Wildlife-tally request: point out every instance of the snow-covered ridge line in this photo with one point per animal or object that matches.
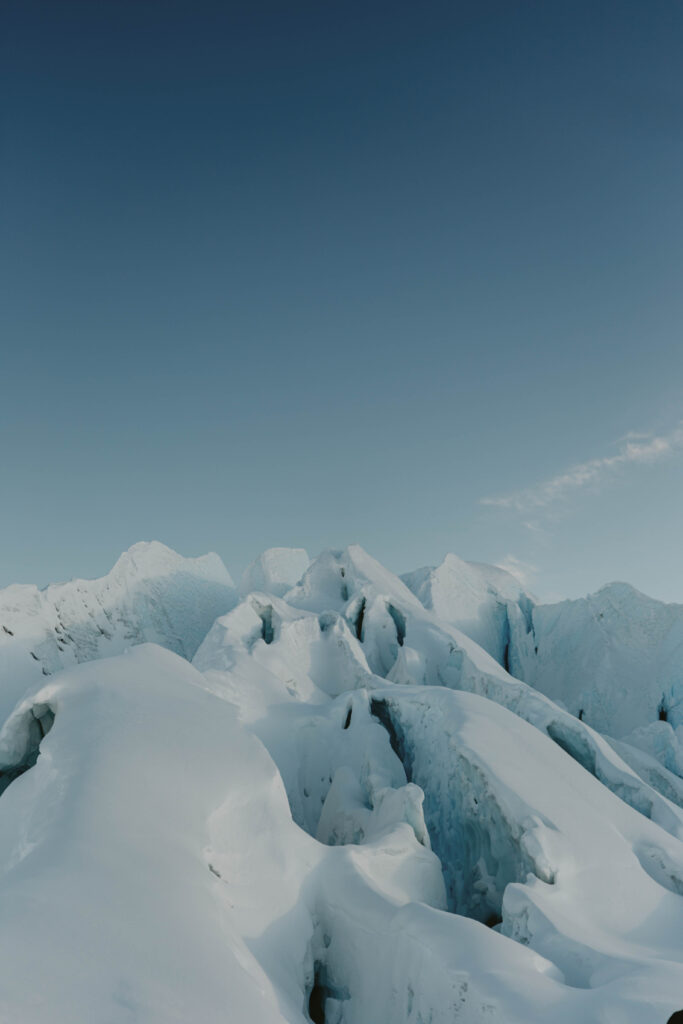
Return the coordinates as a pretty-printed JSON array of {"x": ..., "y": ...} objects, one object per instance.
[
  {"x": 268, "y": 658},
  {"x": 472, "y": 597},
  {"x": 614, "y": 658},
  {"x": 151, "y": 594},
  {"x": 361, "y": 816}
]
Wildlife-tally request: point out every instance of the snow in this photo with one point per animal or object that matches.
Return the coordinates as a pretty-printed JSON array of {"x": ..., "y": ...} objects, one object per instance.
[
  {"x": 661, "y": 741},
  {"x": 275, "y": 571},
  {"x": 151, "y": 594},
  {"x": 344, "y": 808},
  {"x": 615, "y": 656},
  {"x": 471, "y": 596}
]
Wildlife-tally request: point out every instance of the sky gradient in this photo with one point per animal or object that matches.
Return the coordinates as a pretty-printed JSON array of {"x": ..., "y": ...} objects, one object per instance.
[{"x": 314, "y": 274}]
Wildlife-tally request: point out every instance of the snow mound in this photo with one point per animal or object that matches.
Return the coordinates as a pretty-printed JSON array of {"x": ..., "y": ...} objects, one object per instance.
[
  {"x": 275, "y": 571},
  {"x": 473, "y": 597},
  {"x": 343, "y": 810},
  {"x": 151, "y": 594},
  {"x": 615, "y": 658}
]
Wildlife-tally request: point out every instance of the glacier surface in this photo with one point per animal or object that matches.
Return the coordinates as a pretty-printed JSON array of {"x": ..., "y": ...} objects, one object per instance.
[{"x": 337, "y": 796}]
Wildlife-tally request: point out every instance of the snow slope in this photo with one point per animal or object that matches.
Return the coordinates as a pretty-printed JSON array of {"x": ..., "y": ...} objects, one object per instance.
[
  {"x": 473, "y": 597},
  {"x": 344, "y": 810},
  {"x": 151, "y": 594},
  {"x": 275, "y": 571},
  {"x": 616, "y": 656}
]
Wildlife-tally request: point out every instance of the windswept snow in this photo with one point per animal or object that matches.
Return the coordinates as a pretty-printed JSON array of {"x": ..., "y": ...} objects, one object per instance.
[
  {"x": 473, "y": 597},
  {"x": 616, "y": 660},
  {"x": 151, "y": 594},
  {"x": 345, "y": 809},
  {"x": 275, "y": 571}
]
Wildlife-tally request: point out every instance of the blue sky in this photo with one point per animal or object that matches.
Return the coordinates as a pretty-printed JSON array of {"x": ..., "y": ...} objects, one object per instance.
[{"x": 315, "y": 274}]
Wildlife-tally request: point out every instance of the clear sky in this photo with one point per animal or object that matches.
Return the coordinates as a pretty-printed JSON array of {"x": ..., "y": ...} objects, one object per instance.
[{"x": 402, "y": 274}]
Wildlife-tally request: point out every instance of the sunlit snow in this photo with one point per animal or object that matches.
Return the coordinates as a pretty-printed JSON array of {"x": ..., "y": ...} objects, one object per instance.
[{"x": 326, "y": 798}]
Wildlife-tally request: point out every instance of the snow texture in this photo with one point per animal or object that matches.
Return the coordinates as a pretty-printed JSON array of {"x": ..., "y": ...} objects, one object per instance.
[
  {"x": 275, "y": 571},
  {"x": 616, "y": 656},
  {"x": 473, "y": 597},
  {"x": 614, "y": 659},
  {"x": 151, "y": 594},
  {"x": 344, "y": 809}
]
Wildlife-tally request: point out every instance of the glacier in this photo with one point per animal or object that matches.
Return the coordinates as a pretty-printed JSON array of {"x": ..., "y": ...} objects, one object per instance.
[{"x": 337, "y": 795}]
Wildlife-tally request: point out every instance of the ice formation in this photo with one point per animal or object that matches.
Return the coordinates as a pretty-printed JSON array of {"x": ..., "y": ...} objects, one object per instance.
[
  {"x": 616, "y": 657},
  {"x": 275, "y": 570},
  {"x": 151, "y": 594},
  {"x": 328, "y": 800},
  {"x": 473, "y": 597}
]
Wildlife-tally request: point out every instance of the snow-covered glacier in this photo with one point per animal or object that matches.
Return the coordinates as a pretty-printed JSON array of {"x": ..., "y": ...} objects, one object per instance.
[
  {"x": 338, "y": 796},
  {"x": 151, "y": 594}
]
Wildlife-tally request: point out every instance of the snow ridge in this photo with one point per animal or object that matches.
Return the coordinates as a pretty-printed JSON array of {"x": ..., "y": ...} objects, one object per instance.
[
  {"x": 324, "y": 801},
  {"x": 151, "y": 594}
]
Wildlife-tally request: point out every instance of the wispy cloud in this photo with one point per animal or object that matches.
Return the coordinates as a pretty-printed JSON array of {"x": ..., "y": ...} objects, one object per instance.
[{"x": 635, "y": 449}]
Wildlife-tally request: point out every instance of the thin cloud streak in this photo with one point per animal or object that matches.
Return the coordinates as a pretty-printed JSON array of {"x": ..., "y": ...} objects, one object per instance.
[{"x": 633, "y": 452}]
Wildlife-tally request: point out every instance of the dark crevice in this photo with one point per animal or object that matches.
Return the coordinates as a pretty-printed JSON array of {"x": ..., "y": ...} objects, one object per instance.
[
  {"x": 400, "y": 623},
  {"x": 359, "y": 620},
  {"x": 381, "y": 712},
  {"x": 347, "y": 720},
  {"x": 527, "y": 609},
  {"x": 35, "y": 725},
  {"x": 45, "y": 717},
  {"x": 663, "y": 711},
  {"x": 322, "y": 990},
  {"x": 505, "y": 638},
  {"x": 267, "y": 630},
  {"x": 34, "y": 656},
  {"x": 8, "y": 631},
  {"x": 317, "y": 1000},
  {"x": 344, "y": 588},
  {"x": 581, "y": 714},
  {"x": 476, "y": 871}
]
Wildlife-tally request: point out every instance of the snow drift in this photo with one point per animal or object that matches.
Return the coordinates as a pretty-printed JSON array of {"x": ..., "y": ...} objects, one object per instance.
[{"x": 321, "y": 802}]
